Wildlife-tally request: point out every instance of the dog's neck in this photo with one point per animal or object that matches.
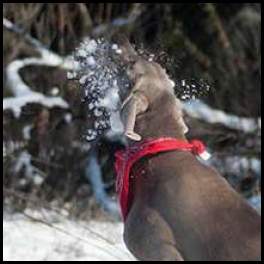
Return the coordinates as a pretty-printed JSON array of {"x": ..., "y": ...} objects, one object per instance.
[{"x": 160, "y": 120}]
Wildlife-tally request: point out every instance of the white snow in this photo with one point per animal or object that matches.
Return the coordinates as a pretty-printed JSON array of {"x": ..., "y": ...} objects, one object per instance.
[
  {"x": 111, "y": 99},
  {"x": 67, "y": 240},
  {"x": 26, "y": 131},
  {"x": 71, "y": 75},
  {"x": 99, "y": 79},
  {"x": 255, "y": 202},
  {"x": 55, "y": 91},
  {"x": 83, "y": 79},
  {"x": 7, "y": 23},
  {"x": 31, "y": 172},
  {"x": 38, "y": 180},
  {"x": 22, "y": 92},
  {"x": 16, "y": 103},
  {"x": 68, "y": 117},
  {"x": 91, "y": 60},
  {"x": 114, "y": 47},
  {"x": 81, "y": 53},
  {"x": 200, "y": 110},
  {"x": 118, "y": 51},
  {"x": 116, "y": 123},
  {"x": 90, "y": 45}
]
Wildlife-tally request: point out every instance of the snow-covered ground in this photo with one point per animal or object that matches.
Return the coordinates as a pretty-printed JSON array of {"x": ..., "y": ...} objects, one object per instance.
[
  {"x": 27, "y": 240},
  {"x": 44, "y": 235}
]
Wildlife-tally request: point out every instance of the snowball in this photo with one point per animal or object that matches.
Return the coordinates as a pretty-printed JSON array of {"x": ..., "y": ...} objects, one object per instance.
[
  {"x": 96, "y": 124},
  {"x": 55, "y": 91},
  {"x": 83, "y": 79},
  {"x": 71, "y": 75},
  {"x": 91, "y": 61},
  {"x": 22, "y": 182},
  {"x": 82, "y": 53},
  {"x": 68, "y": 117},
  {"x": 91, "y": 46},
  {"x": 91, "y": 134},
  {"x": 37, "y": 179},
  {"x": 101, "y": 79},
  {"x": 91, "y": 106},
  {"x": 119, "y": 51},
  {"x": 98, "y": 112},
  {"x": 114, "y": 47},
  {"x": 116, "y": 123}
]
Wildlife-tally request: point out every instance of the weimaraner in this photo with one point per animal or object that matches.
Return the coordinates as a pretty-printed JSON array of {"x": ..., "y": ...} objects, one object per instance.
[{"x": 181, "y": 208}]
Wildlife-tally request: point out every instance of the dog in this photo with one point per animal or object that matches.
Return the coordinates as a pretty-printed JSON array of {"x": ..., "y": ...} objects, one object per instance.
[{"x": 181, "y": 209}]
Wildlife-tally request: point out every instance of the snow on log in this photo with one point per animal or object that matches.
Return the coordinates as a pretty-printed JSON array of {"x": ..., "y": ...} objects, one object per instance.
[
  {"x": 255, "y": 202},
  {"x": 200, "y": 110},
  {"x": 22, "y": 92},
  {"x": 237, "y": 165},
  {"x": 240, "y": 167}
]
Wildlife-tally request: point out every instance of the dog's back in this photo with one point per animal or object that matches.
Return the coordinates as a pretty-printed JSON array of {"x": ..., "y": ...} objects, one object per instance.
[
  {"x": 179, "y": 201},
  {"x": 181, "y": 209}
]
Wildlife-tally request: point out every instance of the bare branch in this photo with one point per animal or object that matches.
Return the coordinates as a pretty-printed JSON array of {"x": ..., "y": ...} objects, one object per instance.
[{"x": 14, "y": 28}]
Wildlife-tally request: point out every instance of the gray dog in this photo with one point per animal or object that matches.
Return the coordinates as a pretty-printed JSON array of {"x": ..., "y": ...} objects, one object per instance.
[{"x": 181, "y": 209}]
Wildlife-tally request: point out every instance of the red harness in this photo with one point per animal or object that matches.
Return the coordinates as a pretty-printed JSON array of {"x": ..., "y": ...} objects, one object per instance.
[{"x": 125, "y": 159}]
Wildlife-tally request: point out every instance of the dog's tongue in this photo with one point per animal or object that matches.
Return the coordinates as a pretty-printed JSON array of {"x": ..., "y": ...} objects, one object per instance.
[{"x": 102, "y": 80}]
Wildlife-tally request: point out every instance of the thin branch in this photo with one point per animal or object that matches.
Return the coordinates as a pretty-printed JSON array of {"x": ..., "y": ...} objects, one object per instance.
[
  {"x": 21, "y": 32},
  {"x": 190, "y": 46},
  {"x": 115, "y": 24},
  {"x": 215, "y": 21}
]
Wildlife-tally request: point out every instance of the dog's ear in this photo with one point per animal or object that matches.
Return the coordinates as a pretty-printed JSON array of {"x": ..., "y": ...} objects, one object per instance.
[{"x": 132, "y": 106}]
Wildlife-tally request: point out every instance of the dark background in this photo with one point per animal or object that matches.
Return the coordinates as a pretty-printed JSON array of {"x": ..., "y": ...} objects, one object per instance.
[{"x": 217, "y": 42}]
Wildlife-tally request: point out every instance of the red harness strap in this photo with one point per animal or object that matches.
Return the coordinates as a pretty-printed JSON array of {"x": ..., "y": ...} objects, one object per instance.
[{"x": 125, "y": 159}]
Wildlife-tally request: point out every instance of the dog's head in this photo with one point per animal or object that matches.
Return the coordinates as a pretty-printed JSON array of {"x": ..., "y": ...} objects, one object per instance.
[
  {"x": 152, "y": 81},
  {"x": 152, "y": 71},
  {"x": 137, "y": 66}
]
